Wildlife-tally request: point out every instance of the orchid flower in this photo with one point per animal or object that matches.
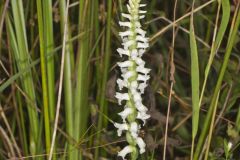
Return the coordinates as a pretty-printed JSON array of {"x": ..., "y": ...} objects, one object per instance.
[{"x": 134, "y": 79}]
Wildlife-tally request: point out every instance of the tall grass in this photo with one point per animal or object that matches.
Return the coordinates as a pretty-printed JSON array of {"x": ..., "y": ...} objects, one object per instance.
[
  {"x": 46, "y": 46},
  {"x": 68, "y": 85},
  {"x": 19, "y": 47},
  {"x": 44, "y": 74},
  {"x": 194, "y": 81}
]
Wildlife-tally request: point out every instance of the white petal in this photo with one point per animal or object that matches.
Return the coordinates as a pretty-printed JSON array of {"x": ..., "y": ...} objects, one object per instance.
[
  {"x": 121, "y": 84},
  {"x": 141, "y": 17},
  {"x": 229, "y": 146},
  {"x": 133, "y": 91},
  {"x": 121, "y": 97},
  {"x": 125, "y": 64},
  {"x": 126, "y": 112},
  {"x": 124, "y": 70},
  {"x": 143, "y": 77},
  {"x": 125, "y": 39},
  {"x": 142, "y": 87},
  {"x": 137, "y": 97},
  {"x": 128, "y": 44},
  {"x": 134, "y": 54},
  {"x": 127, "y": 75},
  {"x": 134, "y": 128},
  {"x": 143, "y": 70},
  {"x": 126, "y": 33},
  {"x": 137, "y": 24},
  {"x": 140, "y": 31},
  {"x": 142, "y": 5},
  {"x": 129, "y": 8},
  {"x": 131, "y": 3},
  {"x": 139, "y": 61},
  {"x": 125, "y": 24},
  {"x": 142, "y": 39},
  {"x": 141, "y": 144},
  {"x": 128, "y": 16},
  {"x": 140, "y": 107},
  {"x": 141, "y": 52},
  {"x": 121, "y": 128},
  {"x": 142, "y": 12},
  {"x": 143, "y": 116},
  {"x": 123, "y": 52},
  {"x": 125, "y": 151},
  {"x": 142, "y": 45}
]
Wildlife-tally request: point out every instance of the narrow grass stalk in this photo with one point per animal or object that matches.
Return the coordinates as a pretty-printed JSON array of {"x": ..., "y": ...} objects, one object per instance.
[
  {"x": 60, "y": 83},
  {"x": 194, "y": 81},
  {"x": 211, "y": 128},
  {"x": 172, "y": 81},
  {"x": 44, "y": 76},
  {"x": 97, "y": 52},
  {"x": 231, "y": 40},
  {"x": 238, "y": 119},
  {"x": 68, "y": 91},
  {"x": 3, "y": 11},
  {"x": 48, "y": 47},
  {"x": 19, "y": 45},
  {"x": 81, "y": 109},
  {"x": 18, "y": 105},
  {"x": 105, "y": 67},
  {"x": 18, "y": 102}
]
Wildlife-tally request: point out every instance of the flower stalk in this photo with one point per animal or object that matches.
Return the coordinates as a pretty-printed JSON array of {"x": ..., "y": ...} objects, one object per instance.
[{"x": 134, "y": 80}]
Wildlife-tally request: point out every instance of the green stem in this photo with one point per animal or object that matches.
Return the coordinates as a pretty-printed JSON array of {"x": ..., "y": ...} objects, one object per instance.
[
  {"x": 44, "y": 77},
  {"x": 48, "y": 46},
  {"x": 67, "y": 83}
]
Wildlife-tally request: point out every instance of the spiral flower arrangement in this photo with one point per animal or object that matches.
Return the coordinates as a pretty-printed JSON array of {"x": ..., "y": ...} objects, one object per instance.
[{"x": 134, "y": 80}]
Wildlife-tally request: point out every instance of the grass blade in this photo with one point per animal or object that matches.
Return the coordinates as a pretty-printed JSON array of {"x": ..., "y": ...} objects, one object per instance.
[
  {"x": 48, "y": 47},
  {"x": 68, "y": 90},
  {"x": 81, "y": 109},
  {"x": 44, "y": 76},
  {"x": 194, "y": 81}
]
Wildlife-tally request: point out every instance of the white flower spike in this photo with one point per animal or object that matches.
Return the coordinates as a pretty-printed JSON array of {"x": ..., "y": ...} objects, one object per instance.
[{"x": 134, "y": 79}]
